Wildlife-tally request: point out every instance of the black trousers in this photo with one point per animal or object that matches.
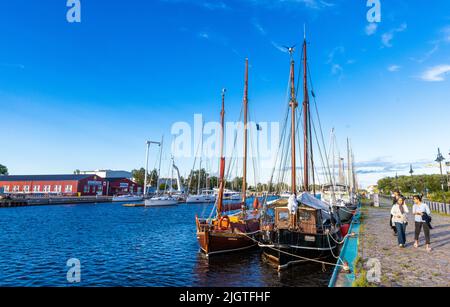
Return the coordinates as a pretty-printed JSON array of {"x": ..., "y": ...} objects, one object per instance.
[
  {"x": 390, "y": 224},
  {"x": 426, "y": 231}
]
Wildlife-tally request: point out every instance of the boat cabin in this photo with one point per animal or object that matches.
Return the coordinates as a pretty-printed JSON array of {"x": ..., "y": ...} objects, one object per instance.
[{"x": 305, "y": 221}]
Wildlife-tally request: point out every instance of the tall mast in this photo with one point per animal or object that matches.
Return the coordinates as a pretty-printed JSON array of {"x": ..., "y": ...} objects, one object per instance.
[
  {"x": 305, "y": 119},
  {"x": 244, "y": 180},
  {"x": 222, "y": 158},
  {"x": 159, "y": 166},
  {"x": 293, "y": 104},
  {"x": 200, "y": 163},
  {"x": 349, "y": 175}
]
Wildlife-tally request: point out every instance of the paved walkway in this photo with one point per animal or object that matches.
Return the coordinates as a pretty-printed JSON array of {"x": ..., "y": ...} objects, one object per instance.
[{"x": 406, "y": 267}]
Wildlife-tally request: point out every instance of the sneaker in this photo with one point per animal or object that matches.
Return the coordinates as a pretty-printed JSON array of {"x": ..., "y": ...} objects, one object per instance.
[
  {"x": 416, "y": 245},
  {"x": 401, "y": 245},
  {"x": 429, "y": 249}
]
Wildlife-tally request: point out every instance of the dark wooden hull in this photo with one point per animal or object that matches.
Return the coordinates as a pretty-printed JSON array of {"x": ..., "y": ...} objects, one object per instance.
[
  {"x": 345, "y": 215},
  {"x": 284, "y": 248},
  {"x": 215, "y": 242}
]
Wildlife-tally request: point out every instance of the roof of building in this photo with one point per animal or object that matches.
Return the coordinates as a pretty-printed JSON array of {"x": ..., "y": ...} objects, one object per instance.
[
  {"x": 45, "y": 177},
  {"x": 118, "y": 179}
]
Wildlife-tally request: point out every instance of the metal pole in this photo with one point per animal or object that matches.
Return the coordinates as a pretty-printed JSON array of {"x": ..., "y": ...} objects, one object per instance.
[
  {"x": 146, "y": 167},
  {"x": 148, "y": 143}
]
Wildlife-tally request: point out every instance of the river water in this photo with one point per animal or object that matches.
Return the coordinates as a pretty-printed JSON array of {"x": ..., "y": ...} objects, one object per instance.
[{"x": 120, "y": 246}]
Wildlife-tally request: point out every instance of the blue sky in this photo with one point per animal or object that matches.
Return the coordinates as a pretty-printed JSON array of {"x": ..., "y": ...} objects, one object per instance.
[{"x": 87, "y": 95}]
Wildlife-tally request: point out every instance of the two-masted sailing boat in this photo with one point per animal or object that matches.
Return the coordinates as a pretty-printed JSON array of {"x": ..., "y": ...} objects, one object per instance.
[
  {"x": 338, "y": 193},
  {"x": 301, "y": 227},
  {"x": 224, "y": 232}
]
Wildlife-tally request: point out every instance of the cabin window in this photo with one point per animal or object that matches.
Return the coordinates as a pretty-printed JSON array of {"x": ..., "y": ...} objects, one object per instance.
[
  {"x": 26, "y": 188},
  {"x": 307, "y": 221},
  {"x": 283, "y": 216},
  {"x": 6, "y": 187},
  {"x": 36, "y": 188},
  {"x": 68, "y": 189},
  {"x": 304, "y": 215},
  {"x": 16, "y": 188}
]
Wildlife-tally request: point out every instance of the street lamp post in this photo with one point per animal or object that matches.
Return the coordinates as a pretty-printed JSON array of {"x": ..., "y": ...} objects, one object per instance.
[
  {"x": 411, "y": 171},
  {"x": 440, "y": 159},
  {"x": 148, "y": 143}
]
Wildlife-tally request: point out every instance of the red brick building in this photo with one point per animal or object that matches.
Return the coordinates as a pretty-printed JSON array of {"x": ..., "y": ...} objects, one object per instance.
[
  {"x": 84, "y": 185},
  {"x": 122, "y": 186},
  {"x": 70, "y": 185}
]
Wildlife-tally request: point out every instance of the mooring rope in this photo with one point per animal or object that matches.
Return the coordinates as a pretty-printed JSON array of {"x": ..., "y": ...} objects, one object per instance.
[{"x": 295, "y": 256}]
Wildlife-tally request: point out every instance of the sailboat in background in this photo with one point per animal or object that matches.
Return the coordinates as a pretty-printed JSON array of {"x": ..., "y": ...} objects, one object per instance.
[
  {"x": 203, "y": 195},
  {"x": 224, "y": 232},
  {"x": 301, "y": 227},
  {"x": 169, "y": 197},
  {"x": 338, "y": 193}
]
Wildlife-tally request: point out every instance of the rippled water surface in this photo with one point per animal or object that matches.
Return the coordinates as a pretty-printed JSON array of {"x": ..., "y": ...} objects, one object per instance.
[{"x": 120, "y": 246}]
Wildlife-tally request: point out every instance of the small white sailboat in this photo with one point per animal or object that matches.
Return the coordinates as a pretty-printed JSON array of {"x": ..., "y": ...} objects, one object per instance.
[
  {"x": 127, "y": 198},
  {"x": 172, "y": 198},
  {"x": 159, "y": 201},
  {"x": 207, "y": 196}
]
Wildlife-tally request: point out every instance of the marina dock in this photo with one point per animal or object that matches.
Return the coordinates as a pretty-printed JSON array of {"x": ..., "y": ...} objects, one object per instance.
[
  {"x": 45, "y": 201},
  {"x": 408, "y": 267}
]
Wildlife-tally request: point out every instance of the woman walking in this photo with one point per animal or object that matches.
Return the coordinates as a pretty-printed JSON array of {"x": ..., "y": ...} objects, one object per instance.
[
  {"x": 421, "y": 213},
  {"x": 399, "y": 217}
]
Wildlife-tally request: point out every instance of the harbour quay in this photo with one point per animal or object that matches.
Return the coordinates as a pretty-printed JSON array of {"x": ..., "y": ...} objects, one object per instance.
[{"x": 29, "y": 190}]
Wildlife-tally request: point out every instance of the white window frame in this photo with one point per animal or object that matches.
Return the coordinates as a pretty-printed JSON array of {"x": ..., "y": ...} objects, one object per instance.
[
  {"x": 68, "y": 188},
  {"x": 57, "y": 188},
  {"x": 47, "y": 188},
  {"x": 36, "y": 189},
  {"x": 16, "y": 189},
  {"x": 26, "y": 189},
  {"x": 6, "y": 188}
]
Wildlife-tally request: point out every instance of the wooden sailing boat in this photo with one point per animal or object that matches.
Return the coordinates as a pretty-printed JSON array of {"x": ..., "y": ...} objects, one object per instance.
[
  {"x": 235, "y": 232},
  {"x": 302, "y": 227}
]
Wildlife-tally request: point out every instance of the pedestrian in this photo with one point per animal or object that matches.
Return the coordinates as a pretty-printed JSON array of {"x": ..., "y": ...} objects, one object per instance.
[
  {"x": 397, "y": 195},
  {"x": 400, "y": 219},
  {"x": 422, "y": 215}
]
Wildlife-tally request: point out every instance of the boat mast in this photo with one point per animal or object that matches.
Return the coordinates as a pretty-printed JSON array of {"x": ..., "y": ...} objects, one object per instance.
[
  {"x": 306, "y": 123},
  {"x": 349, "y": 175},
  {"x": 159, "y": 166},
  {"x": 293, "y": 104},
  {"x": 222, "y": 158},
  {"x": 200, "y": 163},
  {"x": 244, "y": 180}
]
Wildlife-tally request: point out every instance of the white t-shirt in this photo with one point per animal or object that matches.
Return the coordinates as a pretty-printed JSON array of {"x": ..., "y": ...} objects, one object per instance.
[
  {"x": 398, "y": 216},
  {"x": 421, "y": 208}
]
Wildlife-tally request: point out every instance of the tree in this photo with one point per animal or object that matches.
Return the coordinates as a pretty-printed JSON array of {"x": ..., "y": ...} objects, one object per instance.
[
  {"x": 3, "y": 170},
  {"x": 139, "y": 177},
  {"x": 77, "y": 172},
  {"x": 411, "y": 184}
]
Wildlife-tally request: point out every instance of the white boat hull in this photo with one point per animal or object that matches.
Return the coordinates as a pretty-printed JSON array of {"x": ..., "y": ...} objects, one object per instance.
[
  {"x": 196, "y": 199},
  {"x": 161, "y": 201},
  {"x": 127, "y": 198}
]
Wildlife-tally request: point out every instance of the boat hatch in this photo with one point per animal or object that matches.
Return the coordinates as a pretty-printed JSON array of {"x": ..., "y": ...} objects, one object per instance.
[{"x": 305, "y": 221}]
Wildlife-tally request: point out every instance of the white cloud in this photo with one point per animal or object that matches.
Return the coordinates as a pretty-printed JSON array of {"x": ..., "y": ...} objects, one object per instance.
[
  {"x": 280, "y": 48},
  {"x": 446, "y": 32},
  {"x": 218, "y": 5},
  {"x": 371, "y": 29},
  {"x": 336, "y": 69},
  {"x": 203, "y": 35},
  {"x": 387, "y": 37},
  {"x": 394, "y": 68},
  {"x": 436, "y": 73},
  {"x": 258, "y": 27}
]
